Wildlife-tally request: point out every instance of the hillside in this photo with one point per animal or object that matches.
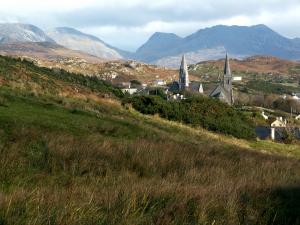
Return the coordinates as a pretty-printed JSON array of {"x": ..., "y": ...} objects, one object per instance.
[
  {"x": 115, "y": 71},
  {"x": 24, "y": 75},
  {"x": 71, "y": 154},
  {"x": 260, "y": 75},
  {"x": 257, "y": 64}
]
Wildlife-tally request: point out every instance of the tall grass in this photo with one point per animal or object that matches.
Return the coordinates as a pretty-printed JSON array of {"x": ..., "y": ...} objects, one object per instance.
[{"x": 97, "y": 164}]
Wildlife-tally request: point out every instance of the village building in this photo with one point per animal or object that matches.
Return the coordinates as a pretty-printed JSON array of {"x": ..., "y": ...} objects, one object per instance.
[
  {"x": 278, "y": 122},
  {"x": 296, "y": 96},
  {"x": 184, "y": 83},
  {"x": 159, "y": 82},
  {"x": 224, "y": 90},
  {"x": 126, "y": 88},
  {"x": 277, "y": 126}
]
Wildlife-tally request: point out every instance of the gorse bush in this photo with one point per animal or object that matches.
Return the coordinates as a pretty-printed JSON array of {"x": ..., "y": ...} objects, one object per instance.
[{"x": 208, "y": 113}]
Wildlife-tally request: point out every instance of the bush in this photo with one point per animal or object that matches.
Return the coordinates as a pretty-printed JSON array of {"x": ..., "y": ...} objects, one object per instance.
[{"x": 208, "y": 113}]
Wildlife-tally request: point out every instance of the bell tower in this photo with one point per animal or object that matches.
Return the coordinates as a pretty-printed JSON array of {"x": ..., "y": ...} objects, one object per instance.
[
  {"x": 183, "y": 75},
  {"x": 227, "y": 78}
]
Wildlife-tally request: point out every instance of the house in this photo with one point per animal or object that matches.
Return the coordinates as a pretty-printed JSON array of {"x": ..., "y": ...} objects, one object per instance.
[
  {"x": 296, "y": 96},
  {"x": 278, "y": 126},
  {"x": 126, "y": 88},
  {"x": 159, "y": 82},
  {"x": 278, "y": 122},
  {"x": 224, "y": 91},
  {"x": 237, "y": 78}
]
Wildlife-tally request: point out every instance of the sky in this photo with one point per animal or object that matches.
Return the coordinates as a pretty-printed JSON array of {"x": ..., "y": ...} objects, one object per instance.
[{"x": 127, "y": 24}]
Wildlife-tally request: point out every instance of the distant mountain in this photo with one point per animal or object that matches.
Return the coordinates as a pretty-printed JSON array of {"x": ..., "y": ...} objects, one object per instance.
[
  {"x": 76, "y": 40},
  {"x": 16, "y": 32},
  {"x": 44, "y": 51},
  {"x": 159, "y": 45},
  {"x": 239, "y": 41}
]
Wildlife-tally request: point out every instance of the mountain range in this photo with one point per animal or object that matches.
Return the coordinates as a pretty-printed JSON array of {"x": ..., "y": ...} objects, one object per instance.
[
  {"x": 76, "y": 40},
  {"x": 212, "y": 43},
  {"x": 163, "y": 49}
]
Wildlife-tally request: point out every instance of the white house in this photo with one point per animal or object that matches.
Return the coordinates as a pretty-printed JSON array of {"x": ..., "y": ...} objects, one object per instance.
[
  {"x": 278, "y": 122},
  {"x": 159, "y": 82},
  {"x": 126, "y": 88},
  {"x": 130, "y": 91},
  {"x": 296, "y": 96}
]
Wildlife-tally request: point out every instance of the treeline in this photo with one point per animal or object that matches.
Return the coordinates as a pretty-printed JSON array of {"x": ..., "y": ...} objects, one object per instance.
[{"x": 208, "y": 113}]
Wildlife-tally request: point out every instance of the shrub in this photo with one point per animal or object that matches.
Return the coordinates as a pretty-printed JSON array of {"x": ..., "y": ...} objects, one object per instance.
[{"x": 209, "y": 113}]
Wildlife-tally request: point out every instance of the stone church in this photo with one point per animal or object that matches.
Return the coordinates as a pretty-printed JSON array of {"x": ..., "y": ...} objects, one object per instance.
[
  {"x": 223, "y": 91},
  {"x": 184, "y": 83}
]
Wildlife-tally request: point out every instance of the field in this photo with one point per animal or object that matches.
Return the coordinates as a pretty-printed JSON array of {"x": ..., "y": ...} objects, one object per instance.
[
  {"x": 71, "y": 154},
  {"x": 68, "y": 161}
]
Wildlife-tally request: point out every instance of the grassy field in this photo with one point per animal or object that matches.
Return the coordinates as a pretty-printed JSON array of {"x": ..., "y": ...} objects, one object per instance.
[
  {"x": 71, "y": 161},
  {"x": 71, "y": 154}
]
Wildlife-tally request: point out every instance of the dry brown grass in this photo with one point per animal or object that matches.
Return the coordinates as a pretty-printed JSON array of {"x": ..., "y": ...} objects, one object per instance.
[{"x": 182, "y": 178}]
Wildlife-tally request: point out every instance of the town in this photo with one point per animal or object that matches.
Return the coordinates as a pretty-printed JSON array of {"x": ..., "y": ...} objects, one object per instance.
[{"x": 275, "y": 127}]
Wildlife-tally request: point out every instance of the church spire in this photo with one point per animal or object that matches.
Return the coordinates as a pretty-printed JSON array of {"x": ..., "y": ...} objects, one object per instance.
[
  {"x": 183, "y": 74},
  {"x": 227, "y": 71},
  {"x": 227, "y": 79}
]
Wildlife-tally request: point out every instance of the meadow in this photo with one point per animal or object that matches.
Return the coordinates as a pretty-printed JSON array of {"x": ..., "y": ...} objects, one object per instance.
[{"x": 66, "y": 160}]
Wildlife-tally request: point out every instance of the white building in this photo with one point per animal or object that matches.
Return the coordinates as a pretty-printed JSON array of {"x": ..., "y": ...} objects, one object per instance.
[
  {"x": 159, "y": 82},
  {"x": 278, "y": 122},
  {"x": 296, "y": 96}
]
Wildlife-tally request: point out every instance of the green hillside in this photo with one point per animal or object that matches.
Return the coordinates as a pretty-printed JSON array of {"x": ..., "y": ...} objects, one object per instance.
[{"x": 75, "y": 157}]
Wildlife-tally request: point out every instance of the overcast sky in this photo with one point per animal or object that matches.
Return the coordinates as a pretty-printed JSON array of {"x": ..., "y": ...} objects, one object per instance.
[{"x": 129, "y": 23}]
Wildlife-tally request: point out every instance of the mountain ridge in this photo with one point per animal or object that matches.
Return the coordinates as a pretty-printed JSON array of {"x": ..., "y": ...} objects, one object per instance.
[
  {"x": 239, "y": 41},
  {"x": 165, "y": 49},
  {"x": 18, "y": 32},
  {"x": 77, "y": 40}
]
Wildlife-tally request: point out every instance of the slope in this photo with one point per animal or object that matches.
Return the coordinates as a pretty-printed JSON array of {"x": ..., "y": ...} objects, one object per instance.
[{"x": 72, "y": 160}]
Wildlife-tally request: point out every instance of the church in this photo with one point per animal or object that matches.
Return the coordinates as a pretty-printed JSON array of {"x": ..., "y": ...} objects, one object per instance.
[
  {"x": 184, "y": 83},
  {"x": 223, "y": 91}
]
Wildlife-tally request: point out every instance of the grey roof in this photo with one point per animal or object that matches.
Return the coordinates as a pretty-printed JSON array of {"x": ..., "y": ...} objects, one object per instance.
[
  {"x": 196, "y": 87},
  {"x": 221, "y": 93}
]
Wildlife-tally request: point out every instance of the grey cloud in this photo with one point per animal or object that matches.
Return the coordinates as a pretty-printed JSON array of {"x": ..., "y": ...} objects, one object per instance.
[{"x": 190, "y": 11}]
